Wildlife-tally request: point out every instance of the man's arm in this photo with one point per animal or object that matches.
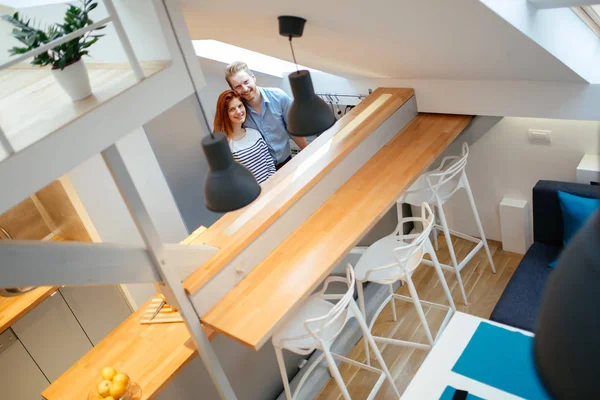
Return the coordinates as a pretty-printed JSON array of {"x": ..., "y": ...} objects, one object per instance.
[
  {"x": 300, "y": 141},
  {"x": 286, "y": 103}
]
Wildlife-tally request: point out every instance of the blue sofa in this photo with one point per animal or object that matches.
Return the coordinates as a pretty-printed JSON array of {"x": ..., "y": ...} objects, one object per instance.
[{"x": 519, "y": 304}]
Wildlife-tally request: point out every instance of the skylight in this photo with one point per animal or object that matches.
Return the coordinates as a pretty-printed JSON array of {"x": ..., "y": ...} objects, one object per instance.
[
  {"x": 227, "y": 53},
  {"x": 590, "y": 15}
]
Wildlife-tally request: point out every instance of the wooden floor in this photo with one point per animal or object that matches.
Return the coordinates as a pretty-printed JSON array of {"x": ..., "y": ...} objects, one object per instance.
[
  {"x": 483, "y": 291},
  {"x": 32, "y": 104}
]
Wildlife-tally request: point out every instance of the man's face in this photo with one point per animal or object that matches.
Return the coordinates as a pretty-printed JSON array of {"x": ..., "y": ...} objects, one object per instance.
[{"x": 244, "y": 85}]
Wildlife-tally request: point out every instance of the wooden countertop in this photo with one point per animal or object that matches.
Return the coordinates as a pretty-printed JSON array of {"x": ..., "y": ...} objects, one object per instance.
[
  {"x": 150, "y": 354},
  {"x": 250, "y": 312},
  {"x": 235, "y": 230},
  {"x": 13, "y": 308}
]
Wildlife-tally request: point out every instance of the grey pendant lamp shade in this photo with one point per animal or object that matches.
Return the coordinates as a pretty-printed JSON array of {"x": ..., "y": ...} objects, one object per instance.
[
  {"x": 228, "y": 185},
  {"x": 308, "y": 115}
]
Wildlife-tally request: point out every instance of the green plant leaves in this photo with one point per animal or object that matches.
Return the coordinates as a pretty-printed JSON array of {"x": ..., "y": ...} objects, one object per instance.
[{"x": 32, "y": 37}]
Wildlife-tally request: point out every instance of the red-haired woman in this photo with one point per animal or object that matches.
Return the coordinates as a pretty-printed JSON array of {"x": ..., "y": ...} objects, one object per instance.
[{"x": 247, "y": 145}]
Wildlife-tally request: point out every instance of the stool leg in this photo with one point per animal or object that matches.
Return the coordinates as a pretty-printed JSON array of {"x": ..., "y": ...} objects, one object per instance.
[
  {"x": 440, "y": 273},
  {"x": 477, "y": 220},
  {"x": 435, "y": 234},
  {"x": 335, "y": 372},
  {"x": 369, "y": 336},
  {"x": 361, "y": 302},
  {"x": 451, "y": 251},
  {"x": 393, "y": 303},
  {"x": 284, "y": 377},
  {"x": 418, "y": 307}
]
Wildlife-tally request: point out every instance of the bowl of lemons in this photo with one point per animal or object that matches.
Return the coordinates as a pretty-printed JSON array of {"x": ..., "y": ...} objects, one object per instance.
[{"x": 114, "y": 385}]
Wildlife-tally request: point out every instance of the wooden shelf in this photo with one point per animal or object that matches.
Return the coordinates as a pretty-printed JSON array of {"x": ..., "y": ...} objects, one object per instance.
[
  {"x": 235, "y": 230},
  {"x": 252, "y": 309},
  {"x": 32, "y": 104}
]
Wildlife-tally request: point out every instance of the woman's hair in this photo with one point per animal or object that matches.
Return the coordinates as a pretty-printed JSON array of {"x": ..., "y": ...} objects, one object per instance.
[{"x": 222, "y": 121}]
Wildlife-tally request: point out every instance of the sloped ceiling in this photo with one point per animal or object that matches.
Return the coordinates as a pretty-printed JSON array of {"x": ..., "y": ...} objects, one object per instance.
[{"x": 400, "y": 39}]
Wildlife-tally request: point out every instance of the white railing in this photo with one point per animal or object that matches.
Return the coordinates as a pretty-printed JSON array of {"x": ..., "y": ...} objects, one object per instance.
[{"x": 113, "y": 17}]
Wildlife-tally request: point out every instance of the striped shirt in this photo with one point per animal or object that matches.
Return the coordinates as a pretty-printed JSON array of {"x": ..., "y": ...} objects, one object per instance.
[{"x": 252, "y": 152}]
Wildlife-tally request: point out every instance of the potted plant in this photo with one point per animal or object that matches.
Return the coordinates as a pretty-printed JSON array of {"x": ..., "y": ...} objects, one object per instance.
[{"x": 66, "y": 59}]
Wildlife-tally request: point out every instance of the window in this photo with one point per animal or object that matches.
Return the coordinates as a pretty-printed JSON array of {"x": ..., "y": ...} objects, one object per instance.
[{"x": 590, "y": 15}]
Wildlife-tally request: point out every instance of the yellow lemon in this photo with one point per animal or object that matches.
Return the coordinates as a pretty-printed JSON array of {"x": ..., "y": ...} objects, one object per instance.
[
  {"x": 121, "y": 378},
  {"x": 118, "y": 390},
  {"x": 104, "y": 388},
  {"x": 108, "y": 373}
]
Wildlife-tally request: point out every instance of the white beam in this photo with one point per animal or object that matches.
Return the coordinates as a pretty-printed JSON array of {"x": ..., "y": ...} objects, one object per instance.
[
  {"x": 36, "y": 263},
  {"x": 544, "y": 4},
  {"x": 33, "y": 263}
]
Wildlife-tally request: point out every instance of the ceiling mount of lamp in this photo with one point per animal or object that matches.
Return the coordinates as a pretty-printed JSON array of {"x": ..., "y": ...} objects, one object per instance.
[{"x": 308, "y": 115}]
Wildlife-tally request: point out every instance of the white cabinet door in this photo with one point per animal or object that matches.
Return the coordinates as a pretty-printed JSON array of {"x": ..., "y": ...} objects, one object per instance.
[
  {"x": 99, "y": 309},
  {"x": 20, "y": 378},
  {"x": 52, "y": 336}
]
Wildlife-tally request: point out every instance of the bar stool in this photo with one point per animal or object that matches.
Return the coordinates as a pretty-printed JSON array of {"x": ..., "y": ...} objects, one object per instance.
[
  {"x": 316, "y": 326},
  {"x": 395, "y": 258},
  {"x": 438, "y": 186}
]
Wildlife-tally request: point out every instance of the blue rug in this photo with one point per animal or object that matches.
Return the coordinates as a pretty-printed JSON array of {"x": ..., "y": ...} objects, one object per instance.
[{"x": 502, "y": 359}]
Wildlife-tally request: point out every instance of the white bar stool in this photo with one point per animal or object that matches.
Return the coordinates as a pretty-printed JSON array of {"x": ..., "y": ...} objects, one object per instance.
[
  {"x": 316, "y": 326},
  {"x": 438, "y": 186},
  {"x": 395, "y": 258}
]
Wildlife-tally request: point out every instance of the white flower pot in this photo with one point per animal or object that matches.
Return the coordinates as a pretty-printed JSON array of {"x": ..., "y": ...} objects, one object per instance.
[{"x": 74, "y": 80}]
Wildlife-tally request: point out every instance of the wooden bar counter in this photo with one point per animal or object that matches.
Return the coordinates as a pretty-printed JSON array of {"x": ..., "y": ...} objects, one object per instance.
[
  {"x": 153, "y": 354},
  {"x": 250, "y": 311}
]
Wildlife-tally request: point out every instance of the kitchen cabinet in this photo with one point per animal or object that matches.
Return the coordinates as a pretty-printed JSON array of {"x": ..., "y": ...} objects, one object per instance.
[
  {"x": 99, "y": 309},
  {"x": 21, "y": 379},
  {"x": 53, "y": 336}
]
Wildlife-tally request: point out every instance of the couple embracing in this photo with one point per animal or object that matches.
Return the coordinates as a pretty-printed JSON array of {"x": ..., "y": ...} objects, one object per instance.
[{"x": 254, "y": 119}]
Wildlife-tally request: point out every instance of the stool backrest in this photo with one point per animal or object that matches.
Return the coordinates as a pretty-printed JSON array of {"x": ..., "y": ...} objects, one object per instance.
[
  {"x": 327, "y": 327},
  {"x": 447, "y": 179},
  {"x": 410, "y": 250}
]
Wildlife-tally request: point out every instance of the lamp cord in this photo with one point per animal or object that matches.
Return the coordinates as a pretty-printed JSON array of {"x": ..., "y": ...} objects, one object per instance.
[{"x": 293, "y": 55}]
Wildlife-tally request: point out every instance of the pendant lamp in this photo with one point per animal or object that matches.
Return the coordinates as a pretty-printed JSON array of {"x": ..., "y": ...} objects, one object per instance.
[
  {"x": 228, "y": 185},
  {"x": 308, "y": 115}
]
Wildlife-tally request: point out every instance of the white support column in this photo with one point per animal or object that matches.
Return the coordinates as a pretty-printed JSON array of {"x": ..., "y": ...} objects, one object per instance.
[
  {"x": 133, "y": 61},
  {"x": 173, "y": 289}
]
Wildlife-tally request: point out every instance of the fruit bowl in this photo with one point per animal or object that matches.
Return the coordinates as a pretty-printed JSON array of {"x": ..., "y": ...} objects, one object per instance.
[{"x": 134, "y": 392}]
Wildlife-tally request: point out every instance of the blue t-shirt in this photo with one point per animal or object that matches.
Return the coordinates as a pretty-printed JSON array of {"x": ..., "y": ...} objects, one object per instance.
[{"x": 272, "y": 122}]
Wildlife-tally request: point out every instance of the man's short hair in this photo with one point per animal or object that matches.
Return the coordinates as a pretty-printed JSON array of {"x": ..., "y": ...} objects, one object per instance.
[{"x": 234, "y": 68}]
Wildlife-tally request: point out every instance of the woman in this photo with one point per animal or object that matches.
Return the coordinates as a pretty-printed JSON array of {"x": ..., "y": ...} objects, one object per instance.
[{"x": 247, "y": 145}]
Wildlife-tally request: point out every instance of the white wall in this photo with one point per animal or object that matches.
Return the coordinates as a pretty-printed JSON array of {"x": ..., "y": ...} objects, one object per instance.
[
  {"x": 502, "y": 163},
  {"x": 214, "y": 72},
  {"x": 175, "y": 137},
  {"x": 108, "y": 212},
  {"x": 138, "y": 17}
]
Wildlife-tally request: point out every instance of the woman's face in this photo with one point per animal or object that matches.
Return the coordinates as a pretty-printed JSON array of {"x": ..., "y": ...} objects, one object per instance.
[{"x": 236, "y": 111}]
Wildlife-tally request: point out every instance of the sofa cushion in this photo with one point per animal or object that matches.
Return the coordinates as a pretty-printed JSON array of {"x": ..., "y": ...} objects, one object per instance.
[
  {"x": 547, "y": 215},
  {"x": 518, "y": 306}
]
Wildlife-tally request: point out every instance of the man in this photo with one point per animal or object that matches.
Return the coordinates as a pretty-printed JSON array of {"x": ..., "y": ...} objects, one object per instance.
[{"x": 267, "y": 111}]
